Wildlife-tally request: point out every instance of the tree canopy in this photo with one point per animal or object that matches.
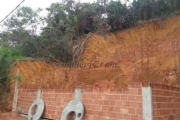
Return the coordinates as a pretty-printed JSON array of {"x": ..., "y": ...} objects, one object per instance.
[{"x": 56, "y": 36}]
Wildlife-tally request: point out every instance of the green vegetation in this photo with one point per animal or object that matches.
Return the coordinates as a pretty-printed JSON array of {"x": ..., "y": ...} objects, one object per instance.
[{"x": 7, "y": 57}]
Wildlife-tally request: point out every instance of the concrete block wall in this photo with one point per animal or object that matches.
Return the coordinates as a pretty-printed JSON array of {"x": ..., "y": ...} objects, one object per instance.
[
  {"x": 106, "y": 104},
  {"x": 166, "y": 102}
]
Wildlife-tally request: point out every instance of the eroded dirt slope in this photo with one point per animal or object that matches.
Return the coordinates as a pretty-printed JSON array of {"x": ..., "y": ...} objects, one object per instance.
[
  {"x": 147, "y": 52},
  {"x": 159, "y": 36}
]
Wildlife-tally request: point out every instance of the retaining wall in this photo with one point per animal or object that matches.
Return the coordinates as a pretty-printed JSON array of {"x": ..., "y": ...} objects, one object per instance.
[
  {"x": 108, "y": 104},
  {"x": 166, "y": 102}
]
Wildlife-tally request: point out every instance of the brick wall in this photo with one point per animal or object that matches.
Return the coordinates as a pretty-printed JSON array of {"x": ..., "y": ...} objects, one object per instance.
[
  {"x": 116, "y": 104},
  {"x": 166, "y": 102}
]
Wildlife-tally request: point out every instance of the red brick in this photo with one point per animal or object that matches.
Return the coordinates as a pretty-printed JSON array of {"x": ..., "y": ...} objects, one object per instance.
[
  {"x": 118, "y": 103},
  {"x": 105, "y": 108},
  {"x": 105, "y": 97},
  {"x": 125, "y": 104},
  {"x": 156, "y": 113},
  {"x": 117, "y": 109},
  {"x": 89, "y": 117},
  {"x": 119, "y": 116},
  {"x": 106, "y": 114},
  {"x": 131, "y": 98},
  {"x": 132, "y": 111},
  {"x": 124, "y": 110},
  {"x": 126, "y": 91},
  {"x": 110, "y": 97},
  {"x": 138, "y": 111},
  {"x": 124, "y": 97},
  {"x": 87, "y": 101},
  {"x": 140, "y": 117},
  {"x": 110, "y": 109},
  {"x": 100, "y": 113},
  {"x": 133, "y": 105},
  {"x": 119, "y": 91},
  {"x": 112, "y": 91},
  {"x": 100, "y": 97},
  {"x": 139, "y": 98},
  {"x": 134, "y": 117},
  {"x": 139, "y": 105},
  {"x": 94, "y": 96},
  {"x": 96, "y": 118},
  {"x": 116, "y": 97},
  {"x": 106, "y": 102},
  {"x": 94, "y": 112},
  {"x": 88, "y": 112},
  {"x": 112, "y": 103},
  {"x": 97, "y": 105},
  {"x": 127, "y": 116},
  {"x": 113, "y": 115},
  {"x": 133, "y": 91}
]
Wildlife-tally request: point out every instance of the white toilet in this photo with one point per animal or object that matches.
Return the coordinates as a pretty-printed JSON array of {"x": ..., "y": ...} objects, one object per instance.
[{"x": 75, "y": 106}]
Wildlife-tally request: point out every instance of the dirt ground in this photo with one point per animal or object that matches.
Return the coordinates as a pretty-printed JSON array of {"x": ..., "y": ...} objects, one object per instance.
[{"x": 11, "y": 116}]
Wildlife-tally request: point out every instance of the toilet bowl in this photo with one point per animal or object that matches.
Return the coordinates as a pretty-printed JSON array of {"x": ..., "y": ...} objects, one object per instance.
[
  {"x": 75, "y": 106},
  {"x": 38, "y": 105}
]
